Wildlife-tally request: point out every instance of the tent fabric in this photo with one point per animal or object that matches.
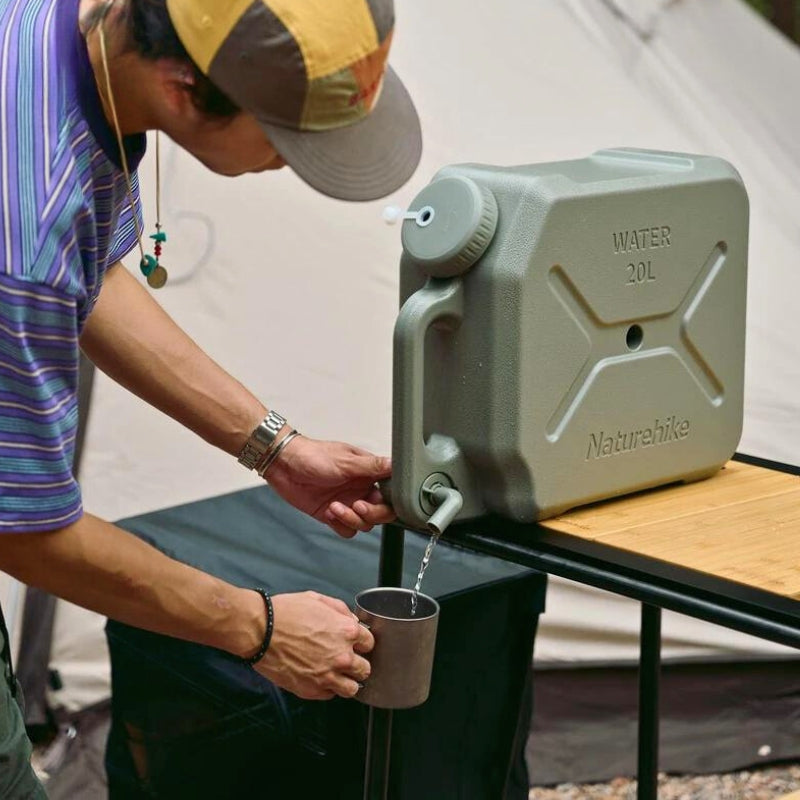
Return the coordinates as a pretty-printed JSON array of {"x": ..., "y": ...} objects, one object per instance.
[
  {"x": 296, "y": 294},
  {"x": 715, "y": 717}
]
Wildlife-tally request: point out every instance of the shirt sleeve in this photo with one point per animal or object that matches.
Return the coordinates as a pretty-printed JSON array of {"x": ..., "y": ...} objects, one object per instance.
[
  {"x": 125, "y": 236},
  {"x": 38, "y": 407}
]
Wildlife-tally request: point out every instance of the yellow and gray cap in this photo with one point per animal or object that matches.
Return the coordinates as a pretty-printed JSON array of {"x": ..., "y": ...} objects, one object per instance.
[{"x": 314, "y": 74}]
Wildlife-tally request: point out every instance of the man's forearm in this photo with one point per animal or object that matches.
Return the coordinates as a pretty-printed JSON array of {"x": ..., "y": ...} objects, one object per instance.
[
  {"x": 135, "y": 342},
  {"x": 105, "y": 569}
]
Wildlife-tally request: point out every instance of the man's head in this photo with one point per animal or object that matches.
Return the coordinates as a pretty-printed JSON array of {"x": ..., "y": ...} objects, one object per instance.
[{"x": 254, "y": 83}]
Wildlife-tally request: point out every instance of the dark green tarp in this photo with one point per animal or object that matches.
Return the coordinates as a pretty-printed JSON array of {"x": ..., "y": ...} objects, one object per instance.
[{"x": 190, "y": 721}]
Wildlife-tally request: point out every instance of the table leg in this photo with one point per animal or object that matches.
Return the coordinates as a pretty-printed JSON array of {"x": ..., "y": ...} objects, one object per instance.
[
  {"x": 390, "y": 568},
  {"x": 379, "y": 732},
  {"x": 379, "y": 750},
  {"x": 649, "y": 685}
]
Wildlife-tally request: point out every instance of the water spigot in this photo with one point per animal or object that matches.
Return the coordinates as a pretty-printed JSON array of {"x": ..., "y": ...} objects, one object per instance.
[{"x": 448, "y": 502}]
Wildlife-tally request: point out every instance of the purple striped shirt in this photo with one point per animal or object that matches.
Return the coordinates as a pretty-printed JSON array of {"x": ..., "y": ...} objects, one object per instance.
[{"x": 64, "y": 219}]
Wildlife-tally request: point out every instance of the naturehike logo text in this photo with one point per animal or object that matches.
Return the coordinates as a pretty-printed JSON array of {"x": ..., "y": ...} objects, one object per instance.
[{"x": 662, "y": 431}]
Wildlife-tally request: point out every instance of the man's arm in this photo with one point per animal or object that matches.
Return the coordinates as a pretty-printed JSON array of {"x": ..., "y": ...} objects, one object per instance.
[
  {"x": 47, "y": 541},
  {"x": 103, "y": 568},
  {"x": 135, "y": 342}
]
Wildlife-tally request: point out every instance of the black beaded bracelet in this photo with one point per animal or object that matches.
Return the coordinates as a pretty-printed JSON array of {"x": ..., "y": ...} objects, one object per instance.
[{"x": 268, "y": 633}]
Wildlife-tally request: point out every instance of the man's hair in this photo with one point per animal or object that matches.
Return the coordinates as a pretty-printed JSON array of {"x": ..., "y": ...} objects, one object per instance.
[{"x": 153, "y": 36}]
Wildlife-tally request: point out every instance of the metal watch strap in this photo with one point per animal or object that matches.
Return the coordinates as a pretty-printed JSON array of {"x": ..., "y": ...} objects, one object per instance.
[{"x": 261, "y": 440}]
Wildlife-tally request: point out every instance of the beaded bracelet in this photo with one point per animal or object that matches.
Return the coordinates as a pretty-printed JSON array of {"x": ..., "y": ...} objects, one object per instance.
[{"x": 267, "y": 634}]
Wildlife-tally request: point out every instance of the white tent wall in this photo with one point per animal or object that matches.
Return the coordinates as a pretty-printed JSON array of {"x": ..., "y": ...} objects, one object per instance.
[
  {"x": 12, "y": 601},
  {"x": 296, "y": 294}
]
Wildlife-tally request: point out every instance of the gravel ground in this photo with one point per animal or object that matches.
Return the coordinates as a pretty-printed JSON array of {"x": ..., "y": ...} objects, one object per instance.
[{"x": 769, "y": 783}]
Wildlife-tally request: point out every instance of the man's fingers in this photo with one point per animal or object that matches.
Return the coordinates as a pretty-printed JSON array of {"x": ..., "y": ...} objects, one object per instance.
[
  {"x": 363, "y": 516},
  {"x": 383, "y": 467},
  {"x": 374, "y": 513},
  {"x": 349, "y": 517},
  {"x": 339, "y": 527},
  {"x": 346, "y": 687},
  {"x": 360, "y": 669},
  {"x": 365, "y": 641},
  {"x": 375, "y": 497},
  {"x": 348, "y": 675},
  {"x": 367, "y": 465}
]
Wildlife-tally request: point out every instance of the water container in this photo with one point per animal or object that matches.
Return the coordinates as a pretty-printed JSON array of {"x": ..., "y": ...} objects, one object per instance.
[{"x": 569, "y": 332}]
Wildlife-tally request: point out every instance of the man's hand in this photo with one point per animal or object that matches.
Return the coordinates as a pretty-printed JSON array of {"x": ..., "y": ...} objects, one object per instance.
[
  {"x": 334, "y": 483},
  {"x": 316, "y": 646}
]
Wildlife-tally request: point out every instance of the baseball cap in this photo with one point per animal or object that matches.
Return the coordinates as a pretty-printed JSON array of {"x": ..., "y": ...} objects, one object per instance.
[{"x": 314, "y": 73}]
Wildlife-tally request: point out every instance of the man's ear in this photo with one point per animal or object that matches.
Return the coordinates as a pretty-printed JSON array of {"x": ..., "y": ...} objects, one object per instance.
[{"x": 176, "y": 80}]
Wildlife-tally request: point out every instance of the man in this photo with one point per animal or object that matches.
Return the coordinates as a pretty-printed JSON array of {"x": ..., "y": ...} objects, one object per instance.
[{"x": 245, "y": 87}]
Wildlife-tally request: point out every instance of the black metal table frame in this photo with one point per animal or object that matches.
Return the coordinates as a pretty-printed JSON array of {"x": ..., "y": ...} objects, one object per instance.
[{"x": 655, "y": 584}]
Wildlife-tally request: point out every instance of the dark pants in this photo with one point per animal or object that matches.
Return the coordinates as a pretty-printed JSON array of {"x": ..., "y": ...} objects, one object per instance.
[{"x": 17, "y": 779}]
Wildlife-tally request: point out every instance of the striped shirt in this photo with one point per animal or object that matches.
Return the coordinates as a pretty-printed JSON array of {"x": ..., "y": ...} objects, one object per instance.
[{"x": 64, "y": 218}]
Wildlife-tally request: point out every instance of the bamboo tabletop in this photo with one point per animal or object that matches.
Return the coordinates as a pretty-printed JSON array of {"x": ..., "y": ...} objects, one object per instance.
[{"x": 743, "y": 525}]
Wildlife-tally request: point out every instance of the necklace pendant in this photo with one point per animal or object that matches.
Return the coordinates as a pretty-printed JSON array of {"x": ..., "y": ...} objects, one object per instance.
[{"x": 157, "y": 278}]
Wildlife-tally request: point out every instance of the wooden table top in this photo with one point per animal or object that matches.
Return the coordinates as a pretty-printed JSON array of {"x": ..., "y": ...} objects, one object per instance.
[{"x": 743, "y": 525}]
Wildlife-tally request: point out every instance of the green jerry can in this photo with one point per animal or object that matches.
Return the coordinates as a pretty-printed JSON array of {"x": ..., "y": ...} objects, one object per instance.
[{"x": 568, "y": 332}]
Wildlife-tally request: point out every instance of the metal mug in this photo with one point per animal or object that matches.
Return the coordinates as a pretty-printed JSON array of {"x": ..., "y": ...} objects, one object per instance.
[{"x": 402, "y": 659}]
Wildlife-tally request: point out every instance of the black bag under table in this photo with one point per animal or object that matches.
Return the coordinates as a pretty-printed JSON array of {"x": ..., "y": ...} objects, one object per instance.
[{"x": 189, "y": 721}]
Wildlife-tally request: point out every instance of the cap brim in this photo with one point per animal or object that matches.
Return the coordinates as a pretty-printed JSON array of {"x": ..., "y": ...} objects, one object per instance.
[{"x": 364, "y": 161}]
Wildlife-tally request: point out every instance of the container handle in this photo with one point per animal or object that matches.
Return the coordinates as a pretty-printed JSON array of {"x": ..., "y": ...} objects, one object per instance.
[{"x": 440, "y": 302}]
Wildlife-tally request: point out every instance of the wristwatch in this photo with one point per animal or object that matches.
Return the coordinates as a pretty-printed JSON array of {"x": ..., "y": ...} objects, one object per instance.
[{"x": 261, "y": 440}]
